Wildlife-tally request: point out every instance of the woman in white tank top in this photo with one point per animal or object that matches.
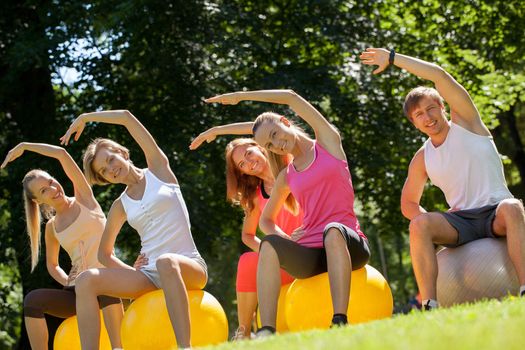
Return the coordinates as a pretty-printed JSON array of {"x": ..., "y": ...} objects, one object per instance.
[{"x": 152, "y": 204}]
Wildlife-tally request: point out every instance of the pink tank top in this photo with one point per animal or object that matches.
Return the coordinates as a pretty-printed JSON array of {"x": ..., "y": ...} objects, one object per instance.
[
  {"x": 325, "y": 193},
  {"x": 285, "y": 220}
]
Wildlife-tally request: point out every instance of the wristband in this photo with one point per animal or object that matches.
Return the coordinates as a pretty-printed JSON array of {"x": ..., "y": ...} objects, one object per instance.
[{"x": 391, "y": 57}]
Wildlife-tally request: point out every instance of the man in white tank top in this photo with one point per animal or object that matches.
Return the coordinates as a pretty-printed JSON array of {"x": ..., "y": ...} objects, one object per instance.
[{"x": 460, "y": 158}]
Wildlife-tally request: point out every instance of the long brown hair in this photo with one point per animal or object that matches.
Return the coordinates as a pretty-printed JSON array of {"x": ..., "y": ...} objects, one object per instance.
[
  {"x": 241, "y": 188},
  {"x": 33, "y": 218}
]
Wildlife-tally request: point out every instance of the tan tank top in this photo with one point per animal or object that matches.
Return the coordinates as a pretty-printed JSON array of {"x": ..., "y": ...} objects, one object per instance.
[{"x": 81, "y": 239}]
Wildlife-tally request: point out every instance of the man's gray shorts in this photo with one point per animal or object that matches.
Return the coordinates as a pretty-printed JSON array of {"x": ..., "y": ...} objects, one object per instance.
[{"x": 471, "y": 224}]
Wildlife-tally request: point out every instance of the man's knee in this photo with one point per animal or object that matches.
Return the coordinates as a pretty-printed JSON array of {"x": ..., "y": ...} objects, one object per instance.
[
  {"x": 511, "y": 209},
  {"x": 421, "y": 227}
]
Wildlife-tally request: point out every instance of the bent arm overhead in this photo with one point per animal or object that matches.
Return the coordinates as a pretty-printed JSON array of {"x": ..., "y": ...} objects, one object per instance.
[
  {"x": 83, "y": 191},
  {"x": 157, "y": 161},
  {"x": 463, "y": 110},
  {"x": 453, "y": 93},
  {"x": 325, "y": 132},
  {"x": 243, "y": 128}
]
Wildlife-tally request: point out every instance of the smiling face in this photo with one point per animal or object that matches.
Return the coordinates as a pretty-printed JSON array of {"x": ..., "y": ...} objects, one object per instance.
[
  {"x": 111, "y": 165},
  {"x": 250, "y": 160},
  {"x": 276, "y": 136},
  {"x": 46, "y": 190},
  {"x": 429, "y": 116}
]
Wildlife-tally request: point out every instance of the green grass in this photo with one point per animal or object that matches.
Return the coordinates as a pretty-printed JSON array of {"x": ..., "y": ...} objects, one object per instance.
[{"x": 491, "y": 324}]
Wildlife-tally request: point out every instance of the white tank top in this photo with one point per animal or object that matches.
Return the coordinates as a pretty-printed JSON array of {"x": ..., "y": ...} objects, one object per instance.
[
  {"x": 467, "y": 168},
  {"x": 161, "y": 219}
]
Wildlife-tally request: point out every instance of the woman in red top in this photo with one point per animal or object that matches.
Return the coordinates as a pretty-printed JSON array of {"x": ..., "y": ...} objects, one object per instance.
[{"x": 249, "y": 182}]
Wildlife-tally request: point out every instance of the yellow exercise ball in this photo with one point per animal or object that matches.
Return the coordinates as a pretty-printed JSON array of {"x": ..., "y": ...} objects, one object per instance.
[
  {"x": 281, "y": 324},
  {"x": 146, "y": 324},
  {"x": 67, "y": 337},
  {"x": 309, "y": 302}
]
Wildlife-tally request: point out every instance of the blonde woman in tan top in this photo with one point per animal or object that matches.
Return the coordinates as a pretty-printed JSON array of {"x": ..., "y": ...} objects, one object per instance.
[{"x": 75, "y": 224}]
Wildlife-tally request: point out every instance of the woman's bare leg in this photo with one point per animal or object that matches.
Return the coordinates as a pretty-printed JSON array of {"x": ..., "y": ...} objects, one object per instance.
[
  {"x": 113, "y": 315},
  {"x": 120, "y": 283},
  {"x": 246, "y": 305},
  {"x": 177, "y": 274},
  {"x": 37, "y": 332}
]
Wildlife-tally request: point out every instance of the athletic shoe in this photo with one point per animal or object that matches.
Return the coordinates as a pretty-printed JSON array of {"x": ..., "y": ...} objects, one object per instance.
[
  {"x": 239, "y": 334},
  {"x": 264, "y": 332}
]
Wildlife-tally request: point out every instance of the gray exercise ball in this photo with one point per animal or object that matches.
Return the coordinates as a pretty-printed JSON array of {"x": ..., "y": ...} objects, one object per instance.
[{"x": 476, "y": 270}]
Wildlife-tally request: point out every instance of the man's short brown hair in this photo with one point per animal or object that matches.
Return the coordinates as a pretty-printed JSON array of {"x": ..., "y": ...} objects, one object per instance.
[{"x": 416, "y": 94}]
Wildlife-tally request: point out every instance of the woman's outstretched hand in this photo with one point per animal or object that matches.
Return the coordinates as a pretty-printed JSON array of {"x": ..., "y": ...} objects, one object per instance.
[
  {"x": 14, "y": 153},
  {"x": 77, "y": 127},
  {"x": 207, "y": 136},
  {"x": 374, "y": 56}
]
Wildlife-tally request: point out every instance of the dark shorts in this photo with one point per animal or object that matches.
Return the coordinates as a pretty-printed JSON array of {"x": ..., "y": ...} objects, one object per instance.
[
  {"x": 303, "y": 262},
  {"x": 471, "y": 224},
  {"x": 57, "y": 302}
]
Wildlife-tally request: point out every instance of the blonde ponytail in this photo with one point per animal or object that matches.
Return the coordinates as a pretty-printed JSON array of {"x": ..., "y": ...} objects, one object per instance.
[{"x": 33, "y": 217}]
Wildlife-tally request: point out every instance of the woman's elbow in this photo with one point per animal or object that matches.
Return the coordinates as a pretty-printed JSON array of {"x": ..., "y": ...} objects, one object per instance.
[
  {"x": 61, "y": 152},
  {"x": 125, "y": 116},
  {"x": 265, "y": 224},
  {"x": 51, "y": 268},
  {"x": 104, "y": 257},
  {"x": 291, "y": 95},
  {"x": 247, "y": 238}
]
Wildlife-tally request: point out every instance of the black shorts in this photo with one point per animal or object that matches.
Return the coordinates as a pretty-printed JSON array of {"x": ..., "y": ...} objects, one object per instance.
[
  {"x": 471, "y": 224},
  {"x": 303, "y": 262},
  {"x": 57, "y": 302}
]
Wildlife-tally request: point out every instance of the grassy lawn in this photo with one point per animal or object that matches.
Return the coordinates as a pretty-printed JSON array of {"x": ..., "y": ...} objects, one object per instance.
[{"x": 492, "y": 324}]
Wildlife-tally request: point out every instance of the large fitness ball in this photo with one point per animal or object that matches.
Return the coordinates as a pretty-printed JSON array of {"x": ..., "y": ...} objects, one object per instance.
[
  {"x": 67, "y": 337},
  {"x": 281, "y": 324},
  {"x": 146, "y": 324},
  {"x": 309, "y": 303},
  {"x": 476, "y": 270}
]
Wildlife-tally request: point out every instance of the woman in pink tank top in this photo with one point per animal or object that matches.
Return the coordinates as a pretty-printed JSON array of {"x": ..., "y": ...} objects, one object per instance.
[
  {"x": 320, "y": 181},
  {"x": 75, "y": 224},
  {"x": 249, "y": 179}
]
